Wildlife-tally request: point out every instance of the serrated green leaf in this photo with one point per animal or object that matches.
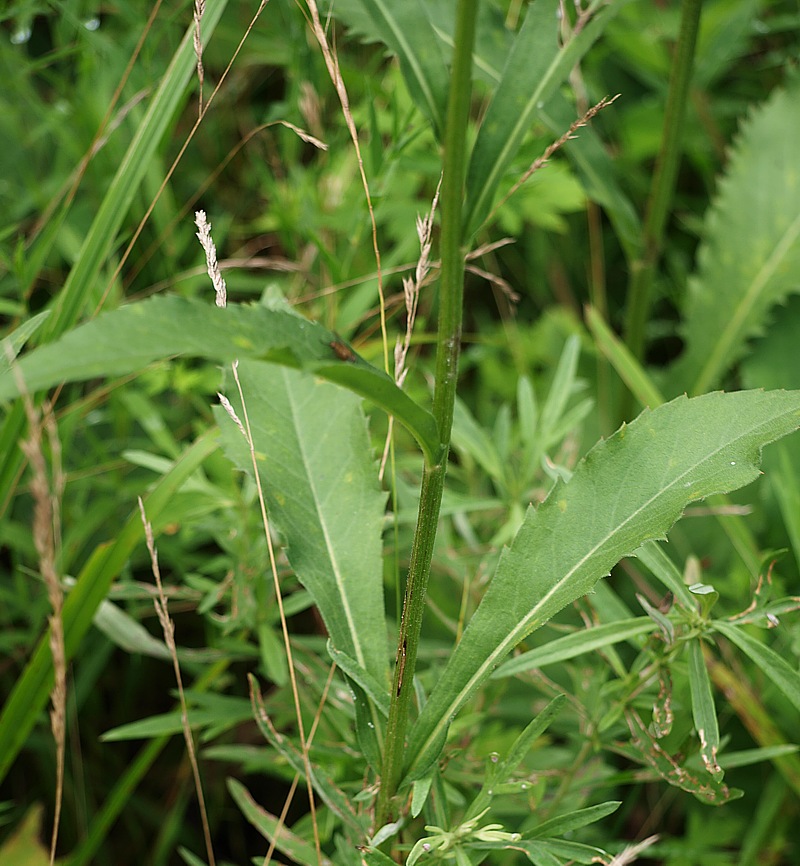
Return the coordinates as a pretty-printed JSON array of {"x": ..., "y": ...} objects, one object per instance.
[
  {"x": 321, "y": 487},
  {"x": 492, "y": 37},
  {"x": 126, "y": 340},
  {"x": 750, "y": 256},
  {"x": 627, "y": 490}
]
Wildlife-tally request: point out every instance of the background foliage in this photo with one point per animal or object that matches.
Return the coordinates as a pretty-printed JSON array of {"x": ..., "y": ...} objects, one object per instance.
[{"x": 542, "y": 379}]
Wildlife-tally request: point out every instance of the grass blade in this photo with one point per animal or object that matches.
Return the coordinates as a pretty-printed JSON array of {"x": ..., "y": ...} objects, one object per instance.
[
  {"x": 30, "y": 693},
  {"x": 102, "y": 235}
]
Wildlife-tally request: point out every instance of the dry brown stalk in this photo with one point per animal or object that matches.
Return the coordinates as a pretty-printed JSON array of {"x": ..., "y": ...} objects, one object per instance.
[
  {"x": 46, "y": 489},
  {"x": 555, "y": 146},
  {"x": 168, "y": 628},
  {"x": 199, "y": 10},
  {"x": 332, "y": 62}
]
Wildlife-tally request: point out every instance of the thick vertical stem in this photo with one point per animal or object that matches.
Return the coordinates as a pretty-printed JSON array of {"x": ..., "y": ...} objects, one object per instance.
[
  {"x": 451, "y": 293},
  {"x": 658, "y": 206}
]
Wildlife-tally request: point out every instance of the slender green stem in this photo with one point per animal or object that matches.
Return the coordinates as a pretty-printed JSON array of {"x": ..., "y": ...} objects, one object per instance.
[
  {"x": 451, "y": 293},
  {"x": 661, "y": 191}
]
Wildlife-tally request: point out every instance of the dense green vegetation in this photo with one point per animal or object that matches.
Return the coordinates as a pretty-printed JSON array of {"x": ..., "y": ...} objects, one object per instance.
[{"x": 580, "y": 226}]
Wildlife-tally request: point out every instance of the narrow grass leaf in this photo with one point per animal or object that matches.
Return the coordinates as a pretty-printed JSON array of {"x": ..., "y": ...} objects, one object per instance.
[
  {"x": 652, "y": 555},
  {"x": 622, "y": 360},
  {"x": 562, "y": 824},
  {"x": 407, "y": 31},
  {"x": 31, "y": 691},
  {"x": 374, "y": 857},
  {"x": 471, "y": 438},
  {"x": 627, "y": 490},
  {"x": 101, "y": 238},
  {"x": 747, "y": 757},
  {"x": 13, "y": 343},
  {"x": 562, "y": 387},
  {"x": 785, "y": 677},
  {"x": 704, "y": 712},
  {"x": 499, "y": 773},
  {"x": 522, "y": 745},
  {"x": 572, "y": 645},
  {"x": 190, "y": 858},
  {"x": 560, "y": 850},
  {"x": 172, "y": 723},
  {"x": 294, "y": 847},
  {"x": 539, "y": 853},
  {"x": 536, "y": 66}
]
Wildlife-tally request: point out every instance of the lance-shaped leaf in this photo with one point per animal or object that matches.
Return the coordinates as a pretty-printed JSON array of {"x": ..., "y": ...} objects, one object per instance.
[
  {"x": 536, "y": 66},
  {"x": 627, "y": 490},
  {"x": 785, "y": 677},
  {"x": 703, "y": 710},
  {"x": 406, "y": 31},
  {"x": 272, "y": 828},
  {"x": 321, "y": 486}
]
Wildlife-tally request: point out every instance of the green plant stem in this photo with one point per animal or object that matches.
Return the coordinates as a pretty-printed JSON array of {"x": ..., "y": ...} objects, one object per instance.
[
  {"x": 451, "y": 293},
  {"x": 661, "y": 191}
]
